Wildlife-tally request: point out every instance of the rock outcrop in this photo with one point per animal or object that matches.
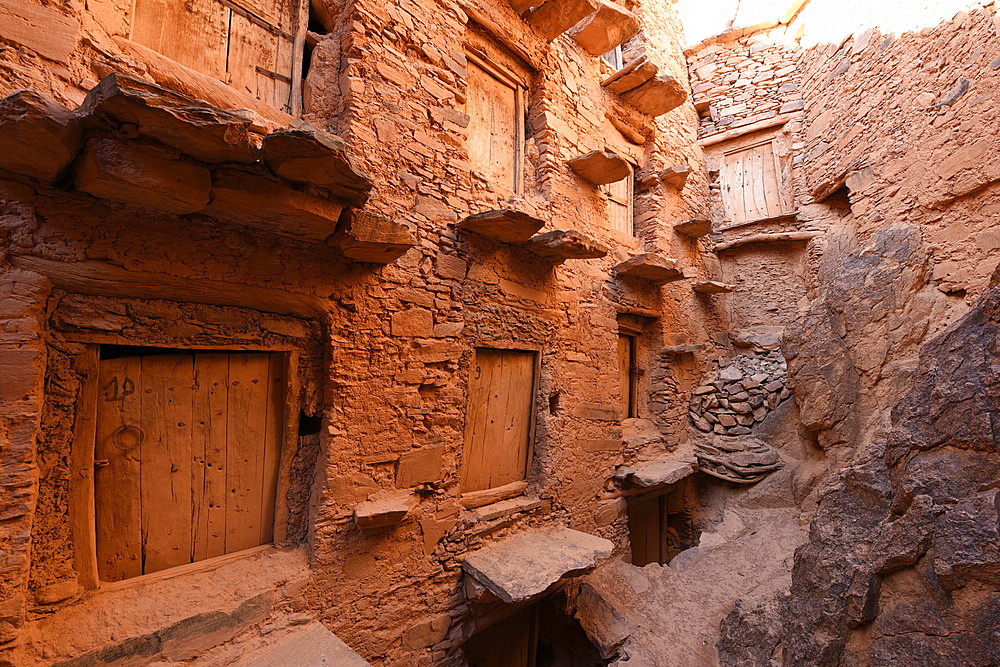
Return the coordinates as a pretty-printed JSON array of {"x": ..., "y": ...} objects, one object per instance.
[{"x": 903, "y": 560}]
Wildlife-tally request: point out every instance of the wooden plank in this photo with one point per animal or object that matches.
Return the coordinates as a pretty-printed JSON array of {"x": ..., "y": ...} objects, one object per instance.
[
  {"x": 167, "y": 393},
  {"x": 116, "y": 477},
  {"x": 246, "y": 421},
  {"x": 208, "y": 504},
  {"x": 192, "y": 33},
  {"x": 732, "y": 204},
  {"x": 520, "y": 368},
  {"x": 475, "y": 420},
  {"x": 772, "y": 181},
  {"x": 289, "y": 442},
  {"x": 81, "y": 491},
  {"x": 274, "y": 431},
  {"x": 625, "y": 374},
  {"x": 499, "y": 445}
]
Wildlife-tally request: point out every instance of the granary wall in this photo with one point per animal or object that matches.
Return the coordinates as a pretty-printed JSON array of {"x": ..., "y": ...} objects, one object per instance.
[{"x": 385, "y": 352}]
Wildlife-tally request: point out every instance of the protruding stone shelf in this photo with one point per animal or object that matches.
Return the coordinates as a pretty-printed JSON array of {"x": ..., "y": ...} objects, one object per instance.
[
  {"x": 370, "y": 238},
  {"x": 527, "y": 565},
  {"x": 504, "y": 225},
  {"x": 563, "y": 244},
  {"x": 713, "y": 287},
  {"x": 694, "y": 228},
  {"x": 600, "y": 167},
  {"x": 652, "y": 474},
  {"x": 608, "y": 27},
  {"x": 691, "y": 348},
  {"x": 672, "y": 177},
  {"x": 554, "y": 17},
  {"x": 639, "y": 86},
  {"x": 383, "y": 510},
  {"x": 317, "y": 158},
  {"x": 780, "y": 237},
  {"x": 651, "y": 267}
]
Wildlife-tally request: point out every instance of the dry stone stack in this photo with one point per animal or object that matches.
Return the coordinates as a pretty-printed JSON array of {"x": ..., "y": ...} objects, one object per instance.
[{"x": 740, "y": 394}]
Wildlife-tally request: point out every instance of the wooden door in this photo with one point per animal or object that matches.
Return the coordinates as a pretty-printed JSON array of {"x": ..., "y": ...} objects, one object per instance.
[
  {"x": 187, "y": 450},
  {"x": 619, "y": 198},
  {"x": 499, "y": 419},
  {"x": 626, "y": 375},
  {"x": 511, "y": 642},
  {"x": 751, "y": 183},
  {"x": 245, "y": 43},
  {"x": 494, "y": 127},
  {"x": 646, "y": 529}
]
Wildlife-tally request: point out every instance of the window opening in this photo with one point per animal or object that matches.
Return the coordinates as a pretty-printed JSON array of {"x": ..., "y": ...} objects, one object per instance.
[{"x": 614, "y": 57}]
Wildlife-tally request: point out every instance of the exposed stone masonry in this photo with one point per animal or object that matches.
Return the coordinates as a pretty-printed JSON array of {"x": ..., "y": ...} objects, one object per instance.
[{"x": 740, "y": 394}]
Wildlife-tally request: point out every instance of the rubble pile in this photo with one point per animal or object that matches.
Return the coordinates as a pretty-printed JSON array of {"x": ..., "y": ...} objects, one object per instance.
[{"x": 740, "y": 394}]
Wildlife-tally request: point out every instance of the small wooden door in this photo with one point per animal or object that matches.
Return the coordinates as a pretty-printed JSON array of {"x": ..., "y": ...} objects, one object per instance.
[
  {"x": 619, "y": 198},
  {"x": 646, "y": 529},
  {"x": 499, "y": 419},
  {"x": 494, "y": 109},
  {"x": 751, "y": 183},
  {"x": 186, "y": 455},
  {"x": 513, "y": 642},
  {"x": 626, "y": 375}
]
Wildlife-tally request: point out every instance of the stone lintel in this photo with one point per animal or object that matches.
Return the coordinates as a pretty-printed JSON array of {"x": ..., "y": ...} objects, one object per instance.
[
  {"x": 318, "y": 158},
  {"x": 191, "y": 126},
  {"x": 636, "y": 73},
  {"x": 38, "y": 136},
  {"x": 563, "y": 244},
  {"x": 651, "y": 474},
  {"x": 608, "y": 27},
  {"x": 689, "y": 348},
  {"x": 651, "y": 267},
  {"x": 694, "y": 227},
  {"x": 656, "y": 96},
  {"x": 526, "y": 565},
  {"x": 600, "y": 167},
  {"x": 713, "y": 287},
  {"x": 554, "y": 17},
  {"x": 374, "y": 239},
  {"x": 504, "y": 225}
]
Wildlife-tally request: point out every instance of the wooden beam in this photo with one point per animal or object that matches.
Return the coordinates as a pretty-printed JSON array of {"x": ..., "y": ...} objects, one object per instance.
[
  {"x": 81, "y": 480},
  {"x": 748, "y": 129},
  {"x": 103, "y": 279},
  {"x": 298, "y": 57}
]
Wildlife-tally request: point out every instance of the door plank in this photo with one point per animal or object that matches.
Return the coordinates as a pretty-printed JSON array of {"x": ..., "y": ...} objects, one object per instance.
[
  {"x": 116, "y": 484},
  {"x": 477, "y": 415},
  {"x": 246, "y": 419},
  {"x": 192, "y": 33},
  {"x": 208, "y": 512},
  {"x": 274, "y": 423},
  {"x": 520, "y": 406},
  {"x": 165, "y": 473},
  {"x": 492, "y": 108}
]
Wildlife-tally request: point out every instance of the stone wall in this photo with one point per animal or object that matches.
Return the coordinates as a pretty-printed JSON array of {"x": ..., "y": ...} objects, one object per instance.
[{"x": 392, "y": 345}]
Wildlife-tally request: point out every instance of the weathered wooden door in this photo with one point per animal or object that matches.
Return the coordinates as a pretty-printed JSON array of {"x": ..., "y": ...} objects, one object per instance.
[
  {"x": 619, "y": 198},
  {"x": 646, "y": 535},
  {"x": 626, "y": 375},
  {"x": 498, "y": 422},
  {"x": 511, "y": 642},
  {"x": 494, "y": 107},
  {"x": 186, "y": 458},
  {"x": 245, "y": 43},
  {"x": 751, "y": 183}
]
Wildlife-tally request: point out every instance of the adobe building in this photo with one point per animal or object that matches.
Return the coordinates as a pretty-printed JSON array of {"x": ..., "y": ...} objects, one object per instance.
[{"x": 475, "y": 332}]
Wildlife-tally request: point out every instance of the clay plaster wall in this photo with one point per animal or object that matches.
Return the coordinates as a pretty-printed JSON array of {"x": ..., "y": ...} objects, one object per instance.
[{"x": 392, "y": 346}]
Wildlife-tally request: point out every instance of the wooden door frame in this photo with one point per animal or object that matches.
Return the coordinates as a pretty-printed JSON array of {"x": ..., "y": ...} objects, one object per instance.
[{"x": 82, "y": 494}]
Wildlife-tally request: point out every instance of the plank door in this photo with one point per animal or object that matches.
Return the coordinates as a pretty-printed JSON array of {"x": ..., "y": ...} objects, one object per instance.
[
  {"x": 187, "y": 452},
  {"x": 619, "y": 197},
  {"x": 260, "y": 50},
  {"x": 751, "y": 184},
  {"x": 195, "y": 33},
  {"x": 645, "y": 529},
  {"x": 494, "y": 127},
  {"x": 499, "y": 419},
  {"x": 626, "y": 375},
  {"x": 511, "y": 642}
]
